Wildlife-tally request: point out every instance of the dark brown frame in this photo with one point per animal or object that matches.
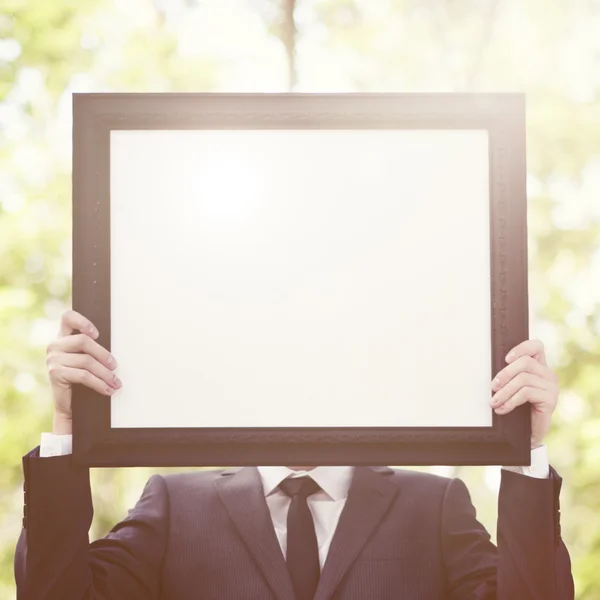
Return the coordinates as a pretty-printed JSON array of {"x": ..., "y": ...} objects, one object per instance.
[{"x": 502, "y": 115}]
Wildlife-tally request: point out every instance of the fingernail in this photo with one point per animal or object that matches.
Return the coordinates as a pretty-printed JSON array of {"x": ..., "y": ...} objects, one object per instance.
[
  {"x": 93, "y": 332},
  {"x": 510, "y": 356},
  {"x": 111, "y": 363},
  {"x": 110, "y": 391},
  {"x": 117, "y": 382},
  {"x": 496, "y": 383}
]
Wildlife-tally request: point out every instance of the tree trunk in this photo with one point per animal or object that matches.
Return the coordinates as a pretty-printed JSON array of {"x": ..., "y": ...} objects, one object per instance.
[{"x": 289, "y": 40}]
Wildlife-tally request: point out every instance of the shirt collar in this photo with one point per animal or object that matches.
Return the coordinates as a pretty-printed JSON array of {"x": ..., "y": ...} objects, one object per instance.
[{"x": 334, "y": 481}]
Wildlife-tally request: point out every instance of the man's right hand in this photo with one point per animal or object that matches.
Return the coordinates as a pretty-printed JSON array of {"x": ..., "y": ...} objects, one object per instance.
[{"x": 76, "y": 358}]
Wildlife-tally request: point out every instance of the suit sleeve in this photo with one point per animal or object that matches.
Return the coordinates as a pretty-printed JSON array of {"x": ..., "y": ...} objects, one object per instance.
[
  {"x": 54, "y": 559},
  {"x": 531, "y": 561}
]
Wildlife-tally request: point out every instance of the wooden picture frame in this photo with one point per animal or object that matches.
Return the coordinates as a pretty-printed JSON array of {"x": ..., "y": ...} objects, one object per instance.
[{"x": 117, "y": 135}]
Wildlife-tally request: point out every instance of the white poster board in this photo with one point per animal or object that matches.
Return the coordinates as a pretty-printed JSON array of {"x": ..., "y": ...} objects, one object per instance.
[{"x": 300, "y": 278}]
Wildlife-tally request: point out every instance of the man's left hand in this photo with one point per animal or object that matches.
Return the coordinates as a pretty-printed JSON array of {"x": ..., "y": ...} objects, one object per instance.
[{"x": 527, "y": 378}]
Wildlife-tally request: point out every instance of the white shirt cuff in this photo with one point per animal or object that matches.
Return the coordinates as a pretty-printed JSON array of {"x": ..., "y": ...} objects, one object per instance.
[
  {"x": 540, "y": 464},
  {"x": 53, "y": 444}
]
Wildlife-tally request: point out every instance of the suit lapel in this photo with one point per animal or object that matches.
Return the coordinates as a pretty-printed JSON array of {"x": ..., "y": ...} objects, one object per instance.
[
  {"x": 242, "y": 495},
  {"x": 369, "y": 498}
]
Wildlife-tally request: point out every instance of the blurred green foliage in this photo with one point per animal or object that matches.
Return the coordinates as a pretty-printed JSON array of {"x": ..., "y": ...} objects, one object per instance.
[{"x": 548, "y": 49}]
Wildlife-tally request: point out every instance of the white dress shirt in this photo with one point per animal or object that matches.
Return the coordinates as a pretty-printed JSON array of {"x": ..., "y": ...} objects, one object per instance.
[{"x": 326, "y": 505}]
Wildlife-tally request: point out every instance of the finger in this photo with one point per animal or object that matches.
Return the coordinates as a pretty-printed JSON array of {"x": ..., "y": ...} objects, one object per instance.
[
  {"x": 82, "y": 344},
  {"x": 526, "y": 394},
  {"x": 533, "y": 348},
  {"x": 71, "y": 375},
  {"x": 523, "y": 364},
  {"x": 518, "y": 382},
  {"x": 88, "y": 363},
  {"x": 73, "y": 321}
]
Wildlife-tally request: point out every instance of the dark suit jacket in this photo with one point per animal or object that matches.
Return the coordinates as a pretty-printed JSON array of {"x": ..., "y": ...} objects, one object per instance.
[{"x": 208, "y": 535}]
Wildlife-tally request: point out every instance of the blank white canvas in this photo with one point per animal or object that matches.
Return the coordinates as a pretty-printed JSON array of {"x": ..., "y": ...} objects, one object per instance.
[{"x": 300, "y": 278}]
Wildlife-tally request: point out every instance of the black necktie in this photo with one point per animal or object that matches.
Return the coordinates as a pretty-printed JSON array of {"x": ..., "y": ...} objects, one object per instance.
[{"x": 302, "y": 554}]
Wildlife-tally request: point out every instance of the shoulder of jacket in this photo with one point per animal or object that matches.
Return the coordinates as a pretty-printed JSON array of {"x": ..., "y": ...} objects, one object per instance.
[
  {"x": 196, "y": 478},
  {"x": 420, "y": 478}
]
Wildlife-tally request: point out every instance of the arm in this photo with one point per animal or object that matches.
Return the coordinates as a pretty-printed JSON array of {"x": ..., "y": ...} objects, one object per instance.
[
  {"x": 531, "y": 562},
  {"x": 530, "y": 546},
  {"x": 54, "y": 560}
]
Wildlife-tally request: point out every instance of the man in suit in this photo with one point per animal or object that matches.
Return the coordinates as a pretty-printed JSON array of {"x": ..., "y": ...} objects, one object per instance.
[{"x": 279, "y": 533}]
